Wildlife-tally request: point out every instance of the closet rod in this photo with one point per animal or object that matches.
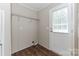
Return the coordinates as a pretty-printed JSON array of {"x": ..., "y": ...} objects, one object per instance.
[{"x": 25, "y": 17}]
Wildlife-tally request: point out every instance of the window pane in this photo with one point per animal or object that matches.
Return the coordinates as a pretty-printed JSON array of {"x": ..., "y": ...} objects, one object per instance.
[{"x": 60, "y": 20}]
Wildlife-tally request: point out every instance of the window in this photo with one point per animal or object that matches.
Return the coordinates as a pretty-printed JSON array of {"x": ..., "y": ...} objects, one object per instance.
[{"x": 60, "y": 20}]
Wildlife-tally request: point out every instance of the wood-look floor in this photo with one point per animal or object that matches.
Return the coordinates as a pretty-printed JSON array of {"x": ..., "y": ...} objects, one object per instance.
[{"x": 37, "y": 50}]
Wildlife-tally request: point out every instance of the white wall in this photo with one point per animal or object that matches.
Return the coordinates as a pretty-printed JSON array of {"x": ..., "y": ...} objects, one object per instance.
[
  {"x": 0, "y": 51},
  {"x": 78, "y": 28},
  {"x": 24, "y": 30},
  {"x": 43, "y": 15},
  {"x": 6, "y": 28},
  {"x": 20, "y": 10}
]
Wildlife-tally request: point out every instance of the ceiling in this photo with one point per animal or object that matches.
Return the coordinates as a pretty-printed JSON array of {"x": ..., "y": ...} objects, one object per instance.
[{"x": 35, "y": 6}]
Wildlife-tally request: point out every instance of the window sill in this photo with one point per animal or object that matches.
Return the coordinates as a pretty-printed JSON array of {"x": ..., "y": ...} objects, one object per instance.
[{"x": 60, "y": 31}]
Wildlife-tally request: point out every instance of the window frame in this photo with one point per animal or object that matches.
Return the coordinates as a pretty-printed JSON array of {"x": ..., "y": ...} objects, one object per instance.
[{"x": 55, "y": 9}]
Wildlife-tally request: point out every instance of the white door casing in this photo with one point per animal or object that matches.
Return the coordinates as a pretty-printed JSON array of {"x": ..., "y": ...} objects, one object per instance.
[
  {"x": 62, "y": 43},
  {"x": 5, "y": 29}
]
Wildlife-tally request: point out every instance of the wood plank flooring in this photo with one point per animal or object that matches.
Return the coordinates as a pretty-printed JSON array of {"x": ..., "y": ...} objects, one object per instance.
[{"x": 37, "y": 50}]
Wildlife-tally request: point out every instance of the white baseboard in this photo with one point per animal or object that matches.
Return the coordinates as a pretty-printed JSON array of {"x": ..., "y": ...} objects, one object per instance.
[{"x": 63, "y": 52}]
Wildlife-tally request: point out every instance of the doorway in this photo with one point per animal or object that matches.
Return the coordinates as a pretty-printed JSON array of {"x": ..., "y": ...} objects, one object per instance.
[{"x": 61, "y": 29}]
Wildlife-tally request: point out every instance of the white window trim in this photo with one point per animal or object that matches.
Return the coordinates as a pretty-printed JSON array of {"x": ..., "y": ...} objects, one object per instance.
[{"x": 57, "y": 8}]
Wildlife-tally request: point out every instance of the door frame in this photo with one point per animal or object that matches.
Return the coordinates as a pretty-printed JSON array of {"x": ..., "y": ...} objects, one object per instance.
[
  {"x": 71, "y": 6},
  {"x": 6, "y": 29}
]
